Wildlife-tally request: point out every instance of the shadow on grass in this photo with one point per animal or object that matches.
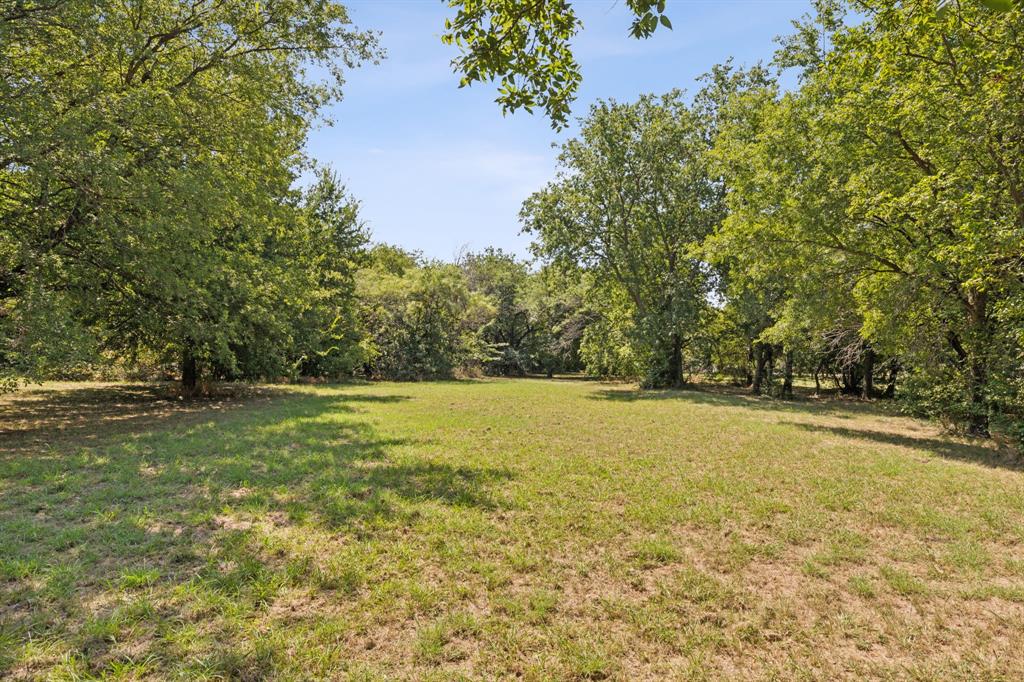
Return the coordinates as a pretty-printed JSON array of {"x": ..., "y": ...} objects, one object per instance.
[
  {"x": 834, "y": 408},
  {"x": 102, "y": 487},
  {"x": 729, "y": 396},
  {"x": 86, "y": 415},
  {"x": 947, "y": 449}
]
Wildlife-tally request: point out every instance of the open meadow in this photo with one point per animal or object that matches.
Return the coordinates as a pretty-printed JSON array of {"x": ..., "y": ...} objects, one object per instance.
[{"x": 499, "y": 529}]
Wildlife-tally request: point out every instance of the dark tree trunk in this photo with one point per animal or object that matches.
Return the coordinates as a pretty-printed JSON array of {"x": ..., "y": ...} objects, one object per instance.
[
  {"x": 817, "y": 379},
  {"x": 974, "y": 362},
  {"x": 763, "y": 355},
  {"x": 787, "y": 379},
  {"x": 675, "y": 362},
  {"x": 750, "y": 362},
  {"x": 851, "y": 380},
  {"x": 978, "y": 424},
  {"x": 869, "y": 374},
  {"x": 189, "y": 372},
  {"x": 979, "y": 365},
  {"x": 890, "y": 389}
]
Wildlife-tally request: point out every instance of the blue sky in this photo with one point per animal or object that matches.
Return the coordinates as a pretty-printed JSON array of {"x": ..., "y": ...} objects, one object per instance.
[{"x": 438, "y": 169}]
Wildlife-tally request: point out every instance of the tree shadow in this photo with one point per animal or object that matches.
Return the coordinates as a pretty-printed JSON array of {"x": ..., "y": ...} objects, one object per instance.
[
  {"x": 87, "y": 416},
  {"x": 946, "y": 449},
  {"x": 100, "y": 485},
  {"x": 564, "y": 378},
  {"x": 833, "y": 408},
  {"x": 706, "y": 394}
]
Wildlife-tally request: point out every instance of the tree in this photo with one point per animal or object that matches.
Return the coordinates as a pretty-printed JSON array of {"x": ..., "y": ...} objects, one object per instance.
[
  {"x": 632, "y": 200},
  {"x": 556, "y": 302},
  {"x": 420, "y": 319},
  {"x": 503, "y": 279},
  {"x": 889, "y": 183},
  {"x": 527, "y": 46},
  {"x": 322, "y": 253},
  {"x": 147, "y": 156}
]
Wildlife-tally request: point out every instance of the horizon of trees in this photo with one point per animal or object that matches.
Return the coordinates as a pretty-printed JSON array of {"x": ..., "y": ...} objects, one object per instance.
[{"x": 865, "y": 227}]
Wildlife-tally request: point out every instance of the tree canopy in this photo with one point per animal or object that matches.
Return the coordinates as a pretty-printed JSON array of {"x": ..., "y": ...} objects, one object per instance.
[{"x": 147, "y": 162}]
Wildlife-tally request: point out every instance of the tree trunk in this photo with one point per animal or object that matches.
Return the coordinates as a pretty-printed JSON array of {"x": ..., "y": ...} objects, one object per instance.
[
  {"x": 787, "y": 380},
  {"x": 851, "y": 378},
  {"x": 890, "y": 389},
  {"x": 189, "y": 372},
  {"x": 976, "y": 362},
  {"x": 869, "y": 374},
  {"x": 817, "y": 379},
  {"x": 750, "y": 361},
  {"x": 675, "y": 362},
  {"x": 762, "y": 354},
  {"x": 978, "y": 424}
]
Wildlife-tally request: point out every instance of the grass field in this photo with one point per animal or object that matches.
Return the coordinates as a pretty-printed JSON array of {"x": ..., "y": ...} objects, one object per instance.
[{"x": 500, "y": 529}]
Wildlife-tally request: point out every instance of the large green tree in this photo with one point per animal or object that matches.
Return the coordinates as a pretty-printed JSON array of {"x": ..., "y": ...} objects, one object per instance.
[
  {"x": 892, "y": 179},
  {"x": 148, "y": 151},
  {"x": 633, "y": 199}
]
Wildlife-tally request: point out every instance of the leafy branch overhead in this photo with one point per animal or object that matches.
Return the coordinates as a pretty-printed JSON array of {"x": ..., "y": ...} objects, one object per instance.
[
  {"x": 526, "y": 45},
  {"x": 997, "y": 5}
]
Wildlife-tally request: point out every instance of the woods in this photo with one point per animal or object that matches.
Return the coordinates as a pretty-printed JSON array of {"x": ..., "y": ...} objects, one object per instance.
[
  {"x": 864, "y": 228},
  {"x": 872, "y": 220}
]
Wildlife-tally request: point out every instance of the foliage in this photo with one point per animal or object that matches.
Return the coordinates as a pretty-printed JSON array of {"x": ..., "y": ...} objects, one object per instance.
[
  {"x": 512, "y": 331},
  {"x": 420, "y": 318},
  {"x": 890, "y": 192},
  {"x": 527, "y": 46},
  {"x": 556, "y": 301},
  {"x": 147, "y": 158},
  {"x": 632, "y": 200}
]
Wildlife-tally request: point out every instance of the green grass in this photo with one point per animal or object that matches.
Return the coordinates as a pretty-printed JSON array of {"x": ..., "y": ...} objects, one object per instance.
[{"x": 499, "y": 529}]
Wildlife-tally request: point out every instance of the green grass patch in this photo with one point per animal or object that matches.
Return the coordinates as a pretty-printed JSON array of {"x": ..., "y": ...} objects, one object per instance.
[{"x": 512, "y": 529}]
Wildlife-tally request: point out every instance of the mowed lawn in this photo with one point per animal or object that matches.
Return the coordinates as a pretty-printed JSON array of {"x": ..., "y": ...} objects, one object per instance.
[{"x": 540, "y": 530}]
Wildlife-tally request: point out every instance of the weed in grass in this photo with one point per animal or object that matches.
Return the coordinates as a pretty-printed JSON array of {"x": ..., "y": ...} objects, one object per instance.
[
  {"x": 968, "y": 555},
  {"x": 862, "y": 586},
  {"x": 587, "y": 659},
  {"x": 813, "y": 569},
  {"x": 652, "y": 552},
  {"x": 138, "y": 578},
  {"x": 902, "y": 582},
  {"x": 432, "y": 640}
]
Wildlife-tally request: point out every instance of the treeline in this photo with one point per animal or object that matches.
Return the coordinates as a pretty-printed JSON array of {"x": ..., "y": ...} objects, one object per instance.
[
  {"x": 153, "y": 225},
  {"x": 487, "y": 313},
  {"x": 866, "y": 226}
]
